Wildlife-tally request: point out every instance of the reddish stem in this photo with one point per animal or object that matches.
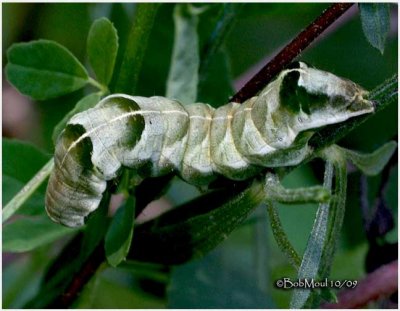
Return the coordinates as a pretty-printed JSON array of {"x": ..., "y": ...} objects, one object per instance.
[
  {"x": 378, "y": 284},
  {"x": 88, "y": 269},
  {"x": 289, "y": 52}
]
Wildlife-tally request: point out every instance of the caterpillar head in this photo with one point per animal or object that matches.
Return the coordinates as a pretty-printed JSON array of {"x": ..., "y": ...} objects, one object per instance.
[{"x": 315, "y": 98}]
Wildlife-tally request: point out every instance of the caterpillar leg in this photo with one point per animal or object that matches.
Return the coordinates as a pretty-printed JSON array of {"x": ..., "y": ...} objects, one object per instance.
[{"x": 274, "y": 191}]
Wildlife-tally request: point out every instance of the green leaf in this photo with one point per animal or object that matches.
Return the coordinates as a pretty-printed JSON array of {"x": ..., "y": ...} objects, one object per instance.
[
  {"x": 328, "y": 295},
  {"x": 26, "y": 234},
  {"x": 150, "y": 271},
  {"x": 119, "y": 235},
  {"x": 229, "y": 14},
  {"x": 183, "y": 75},
  {"x": 128, "y": 71},
  {"x": 33, "y": 206},
  {"x": 371, "y": 163},
  {"x": 102, "y": 48},
  {"x": 22, "y": 160},
  {"x": 281, "y": 238},
  {"x": 105, "y": 293},
  {"x": 215, "y": 85},
  {"x": 375, "y": 20},
  {"x": 19, "y": 199},
  {"x": 20, "y": 279},
  {"x": 195, "y": 228},
  {"x": 17, "y": 172},
  {"x": 336, "y": 211},
  {"x": 85, "y": 103},
  {"x": 215, "y": 81},
  {"x": 311, "y": 261},
  {"x": 220, "y": 280},
  {"x": 44, "y": 69}
]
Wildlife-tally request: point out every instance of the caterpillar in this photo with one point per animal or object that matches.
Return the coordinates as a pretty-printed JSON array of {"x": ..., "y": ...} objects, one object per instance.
[{"x": 156, "y": 136}]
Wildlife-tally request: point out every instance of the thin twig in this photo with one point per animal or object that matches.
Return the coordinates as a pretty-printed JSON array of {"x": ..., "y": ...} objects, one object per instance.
[
  {"x": 290, "y": 51},
  {"x": 378, "y": 284},
  {"x": 84, "y": 275},
  {"x": 24, "y": 194}
]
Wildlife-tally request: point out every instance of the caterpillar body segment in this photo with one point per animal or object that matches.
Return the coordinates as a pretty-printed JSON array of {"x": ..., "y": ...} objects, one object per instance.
[{"x": 155, "y": 136}]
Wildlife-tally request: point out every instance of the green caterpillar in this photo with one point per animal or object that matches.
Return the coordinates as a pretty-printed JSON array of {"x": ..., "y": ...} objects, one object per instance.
[{"x": 155, "y": 136}]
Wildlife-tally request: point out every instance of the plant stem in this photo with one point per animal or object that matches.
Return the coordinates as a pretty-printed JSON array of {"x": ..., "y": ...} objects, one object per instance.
[
  {"x": 19, "y": 199},
  {"x": 103, "y": 89},
  {"x": 83, "y": 276},
  {"x": 290, "y": 51}
]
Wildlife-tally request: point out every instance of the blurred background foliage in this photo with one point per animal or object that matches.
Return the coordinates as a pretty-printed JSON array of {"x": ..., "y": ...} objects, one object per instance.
[{"x": 242, "y": 270}]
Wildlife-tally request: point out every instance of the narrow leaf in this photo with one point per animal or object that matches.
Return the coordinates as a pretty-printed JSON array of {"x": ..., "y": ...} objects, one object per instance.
[
  {"x": 32, "y": 206},
  {"x": 225, "y": 21},
  {"x": 26, "y": 234},
  {"x": 337, "y": 211},
  {"x": 22, "y": 160},
  {"x": 183, "y": 75},
  {"x": 375, "y": 20},
  {"x": 119, "y": 235},
  {"x": 261, "y": 252},
  {"x": 195, "y": 228},
  {"x": 312, "y": 255},
  {"x": 85, "y": 103},
  {"x": 215, "y": 81},
  {"x": 371, "y": 163},
  {"x": 44, "y": 69},
  {"x": 215, "y": 85},
  {"x": 102, "y": 48},
  {"x": 220, "y": 280},
  {"x": 21, "y": 178},
  {"x": 103, "y": 292},
  {"x": 281, "y": 238},
  {"x": 20, "y": 198},
  {"x": 128, "y": 71}
]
